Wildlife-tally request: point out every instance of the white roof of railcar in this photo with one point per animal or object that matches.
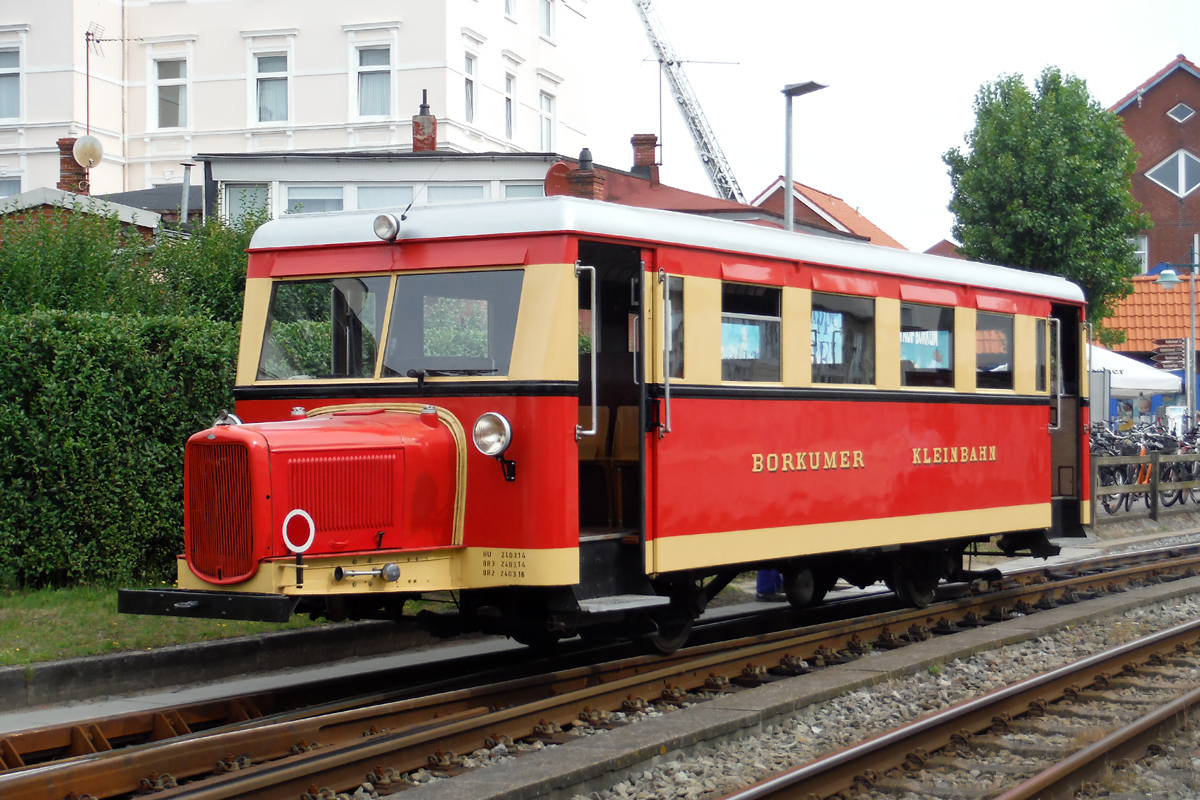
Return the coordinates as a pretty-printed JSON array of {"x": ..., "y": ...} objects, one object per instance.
[{"x": 575, "y": 215}]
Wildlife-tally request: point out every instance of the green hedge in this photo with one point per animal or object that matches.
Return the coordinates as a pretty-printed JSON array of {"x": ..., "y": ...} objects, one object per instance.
[{"x": 94, "y": 413}]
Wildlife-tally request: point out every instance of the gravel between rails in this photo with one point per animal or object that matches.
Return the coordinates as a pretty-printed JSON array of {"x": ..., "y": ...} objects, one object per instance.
[{"x": 822, "y": 727}]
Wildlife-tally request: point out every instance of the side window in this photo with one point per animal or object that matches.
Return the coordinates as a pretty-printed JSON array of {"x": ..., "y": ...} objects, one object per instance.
[
  {"x": 1040, "y": 344},
  {"x": 749, "y": 332},
  {"x": 843, "y": 339},
  {"x": 926, "y": 345},
  {"x": 993, "y": 351},
  {"x": 323, "y": 329},
  {"x": 675, "y": 296}
]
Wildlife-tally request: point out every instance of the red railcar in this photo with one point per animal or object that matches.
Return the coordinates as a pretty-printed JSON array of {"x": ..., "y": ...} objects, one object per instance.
[{"x": 579, "y": 416}]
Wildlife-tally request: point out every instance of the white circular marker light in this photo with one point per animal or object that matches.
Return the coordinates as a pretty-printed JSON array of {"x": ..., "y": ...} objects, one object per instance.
[
  {"x": 312, "y": 530},
  {"x": 387, "y": 227},
  {"x": 492, "y": 434}
]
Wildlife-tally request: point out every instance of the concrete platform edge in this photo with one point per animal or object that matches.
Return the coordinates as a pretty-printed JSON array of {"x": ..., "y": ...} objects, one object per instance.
[{"x": 90, "y": 677}]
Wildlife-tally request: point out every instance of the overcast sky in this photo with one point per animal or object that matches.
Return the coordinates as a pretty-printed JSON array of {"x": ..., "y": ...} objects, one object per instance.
[{"x": 902, "y": 77}]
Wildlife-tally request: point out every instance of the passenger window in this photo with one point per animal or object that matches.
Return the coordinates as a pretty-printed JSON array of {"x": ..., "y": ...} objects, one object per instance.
[
  {"x": 323, "y": 329},
  {"x": 1041, "y": 355},
  {"x": 926, "y": 345},
  {"x": 843, "y": 339},
  {"x": 749, "y": 332},
  {"x": 993, "y": 351},
  {"x": 675, "y": 298}
]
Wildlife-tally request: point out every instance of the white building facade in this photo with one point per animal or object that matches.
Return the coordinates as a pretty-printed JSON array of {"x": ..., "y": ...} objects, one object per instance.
[{"x": 173, "y": 78}]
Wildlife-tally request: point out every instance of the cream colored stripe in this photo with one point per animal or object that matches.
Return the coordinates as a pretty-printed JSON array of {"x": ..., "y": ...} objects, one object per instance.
[
  {"x": 460, "y": 442},
  {"x": 255, "y": 303},
  {"x": 713, "y": 549}
]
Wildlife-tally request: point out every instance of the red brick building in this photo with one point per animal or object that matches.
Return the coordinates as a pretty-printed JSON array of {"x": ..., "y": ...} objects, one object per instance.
[{"x": 1162, "y": 117}]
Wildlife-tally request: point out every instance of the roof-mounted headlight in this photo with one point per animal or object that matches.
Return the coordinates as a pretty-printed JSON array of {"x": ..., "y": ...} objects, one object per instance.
[
  {"x": 387, "y": 227},
  {"x": 492, "y": 434}
]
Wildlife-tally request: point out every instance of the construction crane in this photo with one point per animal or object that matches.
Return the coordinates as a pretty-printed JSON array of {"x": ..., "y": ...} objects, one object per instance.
[{"x": 711, "y": 155}]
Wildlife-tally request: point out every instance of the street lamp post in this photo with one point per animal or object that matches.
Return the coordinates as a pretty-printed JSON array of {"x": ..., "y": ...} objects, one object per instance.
[
  {"x": 790, "y": 91},
  {"x": 1167, "y": 279}
]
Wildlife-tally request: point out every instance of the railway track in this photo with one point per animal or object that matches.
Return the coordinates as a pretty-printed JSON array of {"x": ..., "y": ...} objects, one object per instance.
[
  {"x": 388, "y": 736},
  {"x": 1044, "y": 737}
]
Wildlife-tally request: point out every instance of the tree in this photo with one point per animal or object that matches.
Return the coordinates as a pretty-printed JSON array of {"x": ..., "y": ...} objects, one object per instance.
[{"x": 1044, "y": 185}]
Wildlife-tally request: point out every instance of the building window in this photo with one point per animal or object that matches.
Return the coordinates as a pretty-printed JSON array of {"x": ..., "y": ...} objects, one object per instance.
[
  {"x": 10, "y": 186},
  {"x": 453, "y": 194},
  {"x": 374, "y": 82},
  {"x": 272, "y": 88},
  {"x": 245, "y": 198},
  {"x": 1141, "y": 252},
  {"x": 749, "y": 332},
  {"x": 546, "y": 18},
  {"x": 314, "y": 199},
  {"x": 172, "y": 93},
  {"x": 524, "y": 190},
  {"x": 469, "y": 86},
  {"x": 510, "y": 89},
  {"x": 384, "y": 196},
  {"x": 843, "y": 339},
  {"x": 1179, "y": 174},
  {"x": 926, "y": 345},
  {"x": 1180, "y": 113},
  {"x": 546, "y": 122},
  {"x": 993, "y": 351},
  {"x": 10, "y": 84}
]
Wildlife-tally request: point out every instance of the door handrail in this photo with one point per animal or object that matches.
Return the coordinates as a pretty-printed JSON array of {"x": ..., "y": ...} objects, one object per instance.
[
  {"x": 663, "y": 430},
  {"x": 1056, "y": 378}
]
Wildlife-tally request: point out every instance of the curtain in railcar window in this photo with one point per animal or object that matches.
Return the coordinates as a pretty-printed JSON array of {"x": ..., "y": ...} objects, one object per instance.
[
  {"x": 993, "y": 351},
  {"x": 323, "y": 329},
  {"x": 749, "y": 332},
  {"x": 926, "y": 345},
  {"x": 843, "y": 339}
]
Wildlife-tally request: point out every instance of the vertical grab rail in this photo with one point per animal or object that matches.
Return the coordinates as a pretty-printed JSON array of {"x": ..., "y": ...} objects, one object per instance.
[
  {"x": 1056, "y": 378},
  {"x": 666, "y": 315},
  {"x": 579, "y": 431}
]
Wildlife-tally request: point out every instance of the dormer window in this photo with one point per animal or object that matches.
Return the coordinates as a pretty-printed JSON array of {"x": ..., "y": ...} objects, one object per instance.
[
  {"x": 1179, "y": 174},
  {"x": 1181, "y": 113}
]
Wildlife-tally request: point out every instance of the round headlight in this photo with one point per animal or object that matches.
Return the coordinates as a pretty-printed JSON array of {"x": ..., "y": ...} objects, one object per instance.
[
  {"x": 386, "y": 227},
  {"x": 492, "y": 434}
]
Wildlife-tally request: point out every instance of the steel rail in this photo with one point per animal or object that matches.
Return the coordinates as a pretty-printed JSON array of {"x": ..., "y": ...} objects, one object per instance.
[
  {"x": 838, "y": 771},
  {"x": 92, "y": 735},
  {"x": 467, "y": 716},
  {"x": 1061, "y": 780},
  {"x": 274, "y": 742}
]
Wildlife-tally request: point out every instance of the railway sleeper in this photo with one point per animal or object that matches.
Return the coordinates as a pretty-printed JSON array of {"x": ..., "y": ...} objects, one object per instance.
[
  {"x": 901, "y": 786},
  {"x": 960, "y": 765},
  {"x": 996, "y": 744}
]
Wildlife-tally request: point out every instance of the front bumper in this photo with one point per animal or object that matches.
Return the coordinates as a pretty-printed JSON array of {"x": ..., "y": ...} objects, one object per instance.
[{"x": 207, "y": 604}]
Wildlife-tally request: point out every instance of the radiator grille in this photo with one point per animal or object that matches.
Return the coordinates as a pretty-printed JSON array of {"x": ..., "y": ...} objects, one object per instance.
[
  {"x": 345, "y": 493},
  {"x": 221, "y": 536}
]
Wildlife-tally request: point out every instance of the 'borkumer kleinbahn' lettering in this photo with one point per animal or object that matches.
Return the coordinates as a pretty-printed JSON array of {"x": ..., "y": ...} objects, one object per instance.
[
  {"x": 952, "y": 455},
  {"x": 807, "y": 461}
]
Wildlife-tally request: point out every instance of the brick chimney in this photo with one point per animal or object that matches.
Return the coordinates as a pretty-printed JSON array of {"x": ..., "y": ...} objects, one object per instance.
[
  {"x": 424, "y": 127},
  {"x": 644, "y": 162},
  {"x": 71, "y": 176},
  {"x": 586, "y": 181}
]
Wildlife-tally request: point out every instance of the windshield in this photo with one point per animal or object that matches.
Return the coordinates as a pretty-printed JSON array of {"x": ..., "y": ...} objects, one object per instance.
[
  {"x": 323, "y": 329},
  {"x": 457, "y": 323}
]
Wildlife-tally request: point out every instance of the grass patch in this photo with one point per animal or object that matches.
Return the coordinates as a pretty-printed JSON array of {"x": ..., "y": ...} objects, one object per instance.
[{"x": 51, "y": 624}]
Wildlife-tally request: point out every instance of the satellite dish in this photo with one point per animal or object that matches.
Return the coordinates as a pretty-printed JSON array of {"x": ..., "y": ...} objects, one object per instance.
[{"x": 87, "y": 151}]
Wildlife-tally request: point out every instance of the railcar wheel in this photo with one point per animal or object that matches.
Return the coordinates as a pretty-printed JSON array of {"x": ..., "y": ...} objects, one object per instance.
[
  {"x": 912, "y": 590},
  {"x": 804, "y": 589},
  {"x": 670, "y": 636}
]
